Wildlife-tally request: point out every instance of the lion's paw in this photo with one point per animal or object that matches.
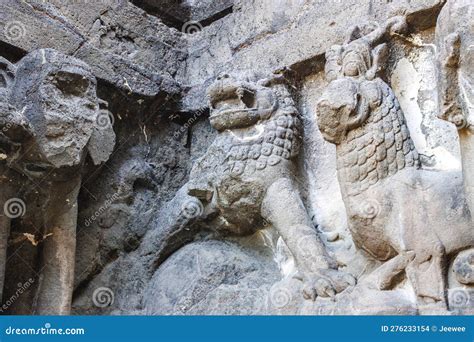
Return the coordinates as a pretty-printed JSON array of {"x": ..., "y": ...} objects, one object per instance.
[{"x": 325, "y": 283}]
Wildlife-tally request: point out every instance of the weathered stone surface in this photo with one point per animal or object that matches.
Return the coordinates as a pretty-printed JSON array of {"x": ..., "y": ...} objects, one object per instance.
[
  {"x": 182, "y": 13},
  {"x": 121, "y": 43},
  {"x": 294, "y": 34},
  {"x": 213, "y": 278},
  {"x": 455, "y": 41},
  {"x": 50, "y": 121},
  {"x": 270, "y": 157},
  {"x": 28, "y": 26}
]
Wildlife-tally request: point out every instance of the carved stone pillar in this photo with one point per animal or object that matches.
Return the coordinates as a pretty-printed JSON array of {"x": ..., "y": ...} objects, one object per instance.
[{"x": 52, "y": 121}]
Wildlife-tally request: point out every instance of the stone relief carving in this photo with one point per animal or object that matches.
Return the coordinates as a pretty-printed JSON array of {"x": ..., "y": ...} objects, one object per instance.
[
  {"x": 393, "y": 205},
  {"x": 248, "y": 177},
  {"x": 411, "y": 223},
  {"x": 455, "y": 44},
  {"x": 50, "y": 121}
]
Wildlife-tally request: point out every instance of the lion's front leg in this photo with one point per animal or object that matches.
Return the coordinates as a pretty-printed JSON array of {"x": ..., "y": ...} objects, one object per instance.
[
  {"x": 283, "y": 208},
  {"x": 175, "y": 226}
]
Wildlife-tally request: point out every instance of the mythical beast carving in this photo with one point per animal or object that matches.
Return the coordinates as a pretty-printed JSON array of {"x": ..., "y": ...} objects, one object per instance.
[
  {"x": 455, "y": 43},
  {"x": 248, "y": 178},
  {"x": 395, "y": 209},
  {"x": 50, "y": 121}
]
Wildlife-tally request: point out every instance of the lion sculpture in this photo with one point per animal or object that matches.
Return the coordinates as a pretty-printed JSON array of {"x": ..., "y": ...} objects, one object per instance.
[
  {"x": 396, "y": 210},
  {"x": 247, "y": 179}
]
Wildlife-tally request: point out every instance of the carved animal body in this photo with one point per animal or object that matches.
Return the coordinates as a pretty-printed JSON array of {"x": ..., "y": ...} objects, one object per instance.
[
  {"x": 394, "y": 208},
  {"x": 455, "y": 41},
  {"x": 377, "y": 162},
  {"x": 250, "y": 160},
  {"x": 248, "y": 177}
]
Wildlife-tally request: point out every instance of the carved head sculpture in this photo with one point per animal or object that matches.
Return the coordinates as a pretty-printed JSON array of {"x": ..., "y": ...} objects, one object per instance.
[
  {"x": 13, "y": 126},
  {"x": 262, "y": 114},
  {"x": 356, "y": 58},
  {"x": 55, "y": 95},
  {"x": 347, "y": 100},
  {"x": 240, "y": 102},
  {"x": 258, "y": 125},
  {"x": 363, "y": 54},
  {"x": 340, "y": 109},
  {"x": 360, "y": 114}
]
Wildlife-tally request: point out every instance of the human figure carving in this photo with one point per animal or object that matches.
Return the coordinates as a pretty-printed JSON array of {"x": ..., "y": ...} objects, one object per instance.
[
  {"x": 248, "y": 177},
  {"x": 49, "y": 122},
  {"x": 396, "y": 211}
]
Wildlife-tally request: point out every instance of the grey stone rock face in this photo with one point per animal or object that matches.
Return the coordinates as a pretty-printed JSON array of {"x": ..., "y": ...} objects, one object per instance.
[
  {"x": 455, "y": 40},
  {"x": 50, "y": 122},
  {"x": 212, "y": 277},
  {"x": 121, "y": 43},
  {"x": 378, "y": 166},
  {"x": 236, "y": 157}
]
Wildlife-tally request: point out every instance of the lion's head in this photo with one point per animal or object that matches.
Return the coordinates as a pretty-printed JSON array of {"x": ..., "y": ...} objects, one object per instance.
[
  {"x": 340, "y": 109},
  {"x": 239, "y": 102}
]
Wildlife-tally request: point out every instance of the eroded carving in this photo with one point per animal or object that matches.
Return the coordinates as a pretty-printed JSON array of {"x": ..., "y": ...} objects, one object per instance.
[
  {"x": 455, "y": 43},
  {"x": 393, "y": 206},
  {"x": 248, "y": 178},
  {"x": 50, "y": 121}
]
